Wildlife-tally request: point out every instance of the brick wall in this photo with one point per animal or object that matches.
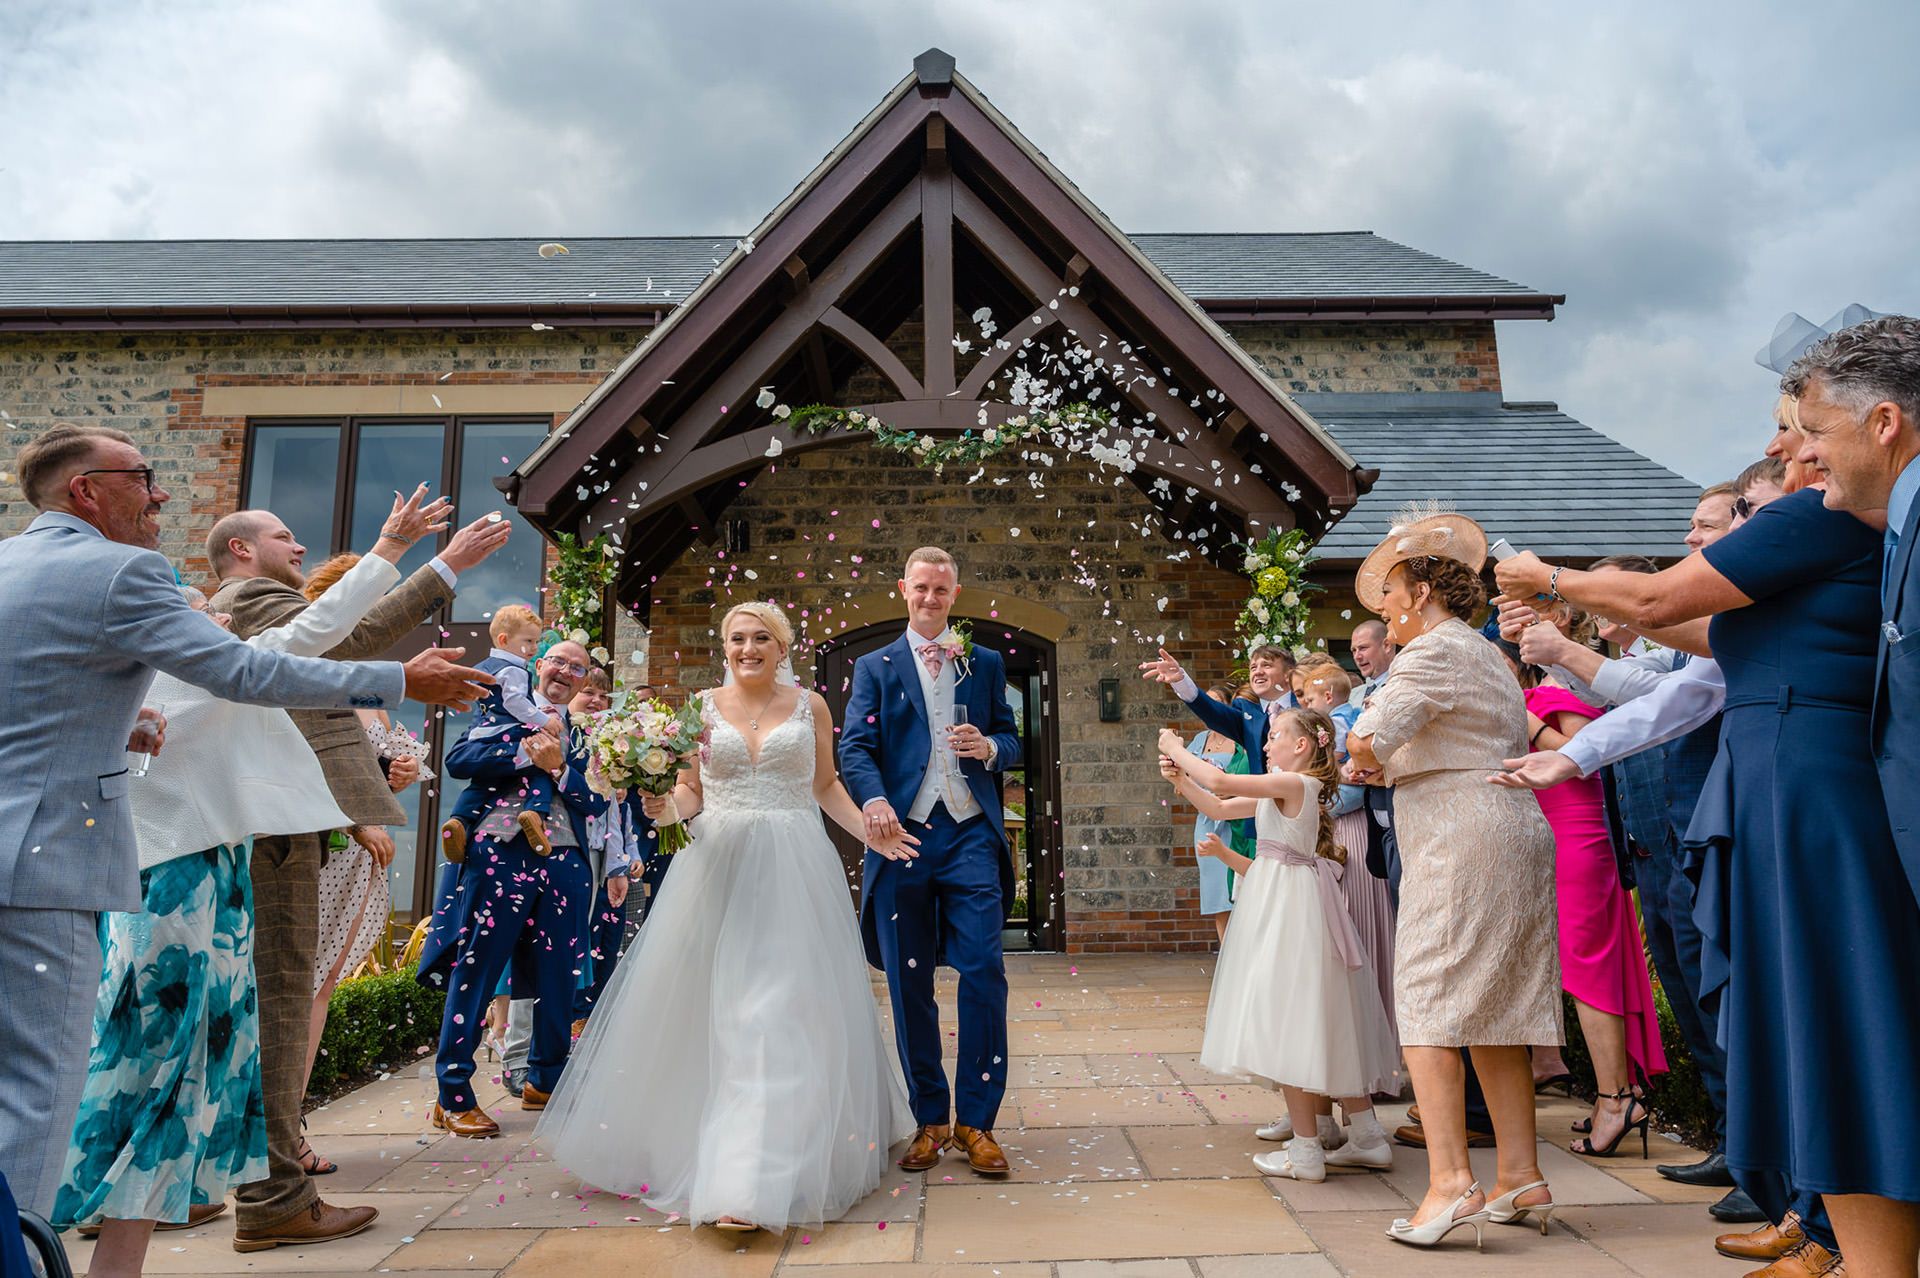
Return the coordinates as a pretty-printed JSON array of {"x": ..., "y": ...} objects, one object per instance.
[{"x": 1376, "y": 358}]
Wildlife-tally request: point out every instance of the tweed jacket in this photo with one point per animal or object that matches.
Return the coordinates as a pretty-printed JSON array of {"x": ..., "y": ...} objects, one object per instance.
[
  {"x": 350, "y": 763},
  {"x": 84, "y": 623}
]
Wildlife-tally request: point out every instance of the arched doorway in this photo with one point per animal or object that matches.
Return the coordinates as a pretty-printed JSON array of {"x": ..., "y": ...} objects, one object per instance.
[{"x": 1030, "y": 793}]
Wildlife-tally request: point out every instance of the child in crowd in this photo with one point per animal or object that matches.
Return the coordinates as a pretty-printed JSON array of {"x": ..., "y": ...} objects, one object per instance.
[
  {"x": 1294, "y": 1001},
  {"x": 507, "y": 713}
]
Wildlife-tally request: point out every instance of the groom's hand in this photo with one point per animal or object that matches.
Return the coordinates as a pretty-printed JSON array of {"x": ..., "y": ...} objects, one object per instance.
[
  {"x": 882, "y": 823},
  {"x": 968, "y": 742}
]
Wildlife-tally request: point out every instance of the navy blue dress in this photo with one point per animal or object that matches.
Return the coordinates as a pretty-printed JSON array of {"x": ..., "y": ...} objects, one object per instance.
[{"x": 1812, "y": 936}]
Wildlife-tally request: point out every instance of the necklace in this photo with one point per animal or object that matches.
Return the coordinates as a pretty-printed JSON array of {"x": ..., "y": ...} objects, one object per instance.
[{"x": 753, "y": 722}]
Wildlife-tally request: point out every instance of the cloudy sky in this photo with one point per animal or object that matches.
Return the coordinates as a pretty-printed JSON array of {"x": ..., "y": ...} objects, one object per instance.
[{"x": 1685, "y": 173}]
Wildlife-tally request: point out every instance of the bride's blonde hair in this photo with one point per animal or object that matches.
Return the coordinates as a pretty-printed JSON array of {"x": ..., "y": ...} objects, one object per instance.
[{"x": 772, "y": 616}]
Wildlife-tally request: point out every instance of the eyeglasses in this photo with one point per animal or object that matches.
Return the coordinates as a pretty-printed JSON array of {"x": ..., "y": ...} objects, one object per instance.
[
  {"x": 574, "y": 668},
  {"x": 145, "y": 473},
  {"x": 1742, "y": 508}
]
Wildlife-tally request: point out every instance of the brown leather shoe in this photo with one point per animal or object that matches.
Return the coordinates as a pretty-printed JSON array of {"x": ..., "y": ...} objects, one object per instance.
[
  {"x": 533, "y": 1098},
  {"x": 319, "y": 1223},
  {"x": 927, "y": 1144},
  {"x": 1414, "y": 1136},
  {"x": 197, "y": 1215},
  {"x": 1808, "y": 1260},
  {"x": 580, "y": 1027},
  {"x": 535, "y": 828},
  {"x": 1769, "y": 1242},
  {"x": 471, "y": 1123},
  {"x": 453, "y": 841},
  {"x": 982, "y": 1150}
]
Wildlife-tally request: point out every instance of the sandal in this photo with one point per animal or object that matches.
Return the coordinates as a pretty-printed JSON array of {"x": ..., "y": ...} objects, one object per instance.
[
  {"x": 1590, "y": 1150},
  {"x": 311, "y": 1163}
]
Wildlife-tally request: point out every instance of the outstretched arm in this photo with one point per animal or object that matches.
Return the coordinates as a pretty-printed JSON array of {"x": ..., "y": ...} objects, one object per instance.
[
  {"x": 833, "y": 798},
  {"x": 1228, "y": 720},
  {"x": 1283, "y": 787},
  {"x": 1205, "y": 801}
]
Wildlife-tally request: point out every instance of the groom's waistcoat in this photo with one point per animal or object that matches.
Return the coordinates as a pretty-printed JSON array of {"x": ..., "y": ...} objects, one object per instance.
[{"x": 945, "y": 782}]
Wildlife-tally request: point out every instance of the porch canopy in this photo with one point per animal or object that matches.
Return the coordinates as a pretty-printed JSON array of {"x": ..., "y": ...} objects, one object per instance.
[{"x": 861, "y": 285}]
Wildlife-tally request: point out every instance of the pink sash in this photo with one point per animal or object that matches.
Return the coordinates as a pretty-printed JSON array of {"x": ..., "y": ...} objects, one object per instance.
[{"x": 1333, "y": 904}]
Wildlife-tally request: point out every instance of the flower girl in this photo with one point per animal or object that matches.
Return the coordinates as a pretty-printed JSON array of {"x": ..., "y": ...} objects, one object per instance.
[{"x": 1293, "y": 999}]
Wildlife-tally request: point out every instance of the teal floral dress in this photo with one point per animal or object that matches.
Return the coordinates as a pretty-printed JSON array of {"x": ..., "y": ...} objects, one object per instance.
[{"x": 173, "y": 1114}]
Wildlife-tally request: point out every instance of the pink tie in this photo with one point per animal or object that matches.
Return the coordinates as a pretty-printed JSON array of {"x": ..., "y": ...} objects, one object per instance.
[{"x": 931, "y": 653}]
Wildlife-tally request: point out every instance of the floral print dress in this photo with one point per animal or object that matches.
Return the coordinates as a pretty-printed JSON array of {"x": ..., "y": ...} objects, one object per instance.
[{"x": 173, "y": 1114}]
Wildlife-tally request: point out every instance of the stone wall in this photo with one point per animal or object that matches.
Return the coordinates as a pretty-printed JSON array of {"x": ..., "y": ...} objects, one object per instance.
[
  {"x": 154, "y": 386},
  {"x": 1376, "y": 358}
]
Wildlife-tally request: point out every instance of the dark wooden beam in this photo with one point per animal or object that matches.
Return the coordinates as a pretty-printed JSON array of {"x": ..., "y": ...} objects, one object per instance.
[
  {"x": 698, "y": 522},
  {"x": 997, "y": 357},
  {"x": 819, "y": 368},
  {"x": 936, "y": 278},
  {"x": 1230, "y": 429},
  {"x": 696, "y": 328},
  {"x": 794, "y": 277},
  {"x": 874, "y": 351},
  {"x": 938, "y": 161},
  {"x": 1078, "y": 267},
  {"x": 639, "y": 427}
]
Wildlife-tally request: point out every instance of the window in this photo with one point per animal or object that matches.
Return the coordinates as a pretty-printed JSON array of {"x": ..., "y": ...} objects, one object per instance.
[{"x": 332, "y": 482}]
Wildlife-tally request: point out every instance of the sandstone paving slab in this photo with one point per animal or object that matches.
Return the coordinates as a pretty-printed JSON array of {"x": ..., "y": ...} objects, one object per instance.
[
  {"x": 1239, "y": 1103},
  {"x": 897, "y": 1200},
  {"x": 1070, "y": 995},
  {"x": 1187, "y": 1067},
  {"x": 1357, "y": 1243},
  {"x": 1342, "y": 1190},
  {"x": 1027, "y": 1041},
  {"x": 1120, "y": 1018},
  {"x": 1105, "y": 1222},
  {"x": 909, "y": 1270},
  {"x": 369, "y": 1160},
  {"x": 436, "y": 1249},
  {"x": 451, "y": 1165},
  {"x": 1573, "y": 1180},
  {"x": 1106, "y": 1107},
  {"x": 1125, "y": 1269},
  {"x": 1656, "y": 1240},
  {"x": 850, "y": 1244},
  {"x": 1148, "y": 996},
  {"x": 661, "y": 1252},
  {"x": 1053, "y": 1155},
  {"x": 1198, "y": 1153},
  {"x": 391, "y": 1106},
  {"x": 1312, "y": 1266},
  {"x": 1657, "y": 1187},
  {"x": 210, "y": 1250}
]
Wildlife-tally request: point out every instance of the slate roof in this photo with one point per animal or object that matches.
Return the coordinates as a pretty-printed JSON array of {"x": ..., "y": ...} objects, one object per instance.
[
  {"x": 1526, "y": 472},
  {"x": 1356, "y": 267}
]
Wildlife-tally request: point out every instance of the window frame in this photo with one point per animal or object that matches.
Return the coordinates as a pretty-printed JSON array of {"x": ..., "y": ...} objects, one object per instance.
[{"x": 438, "y": 630}]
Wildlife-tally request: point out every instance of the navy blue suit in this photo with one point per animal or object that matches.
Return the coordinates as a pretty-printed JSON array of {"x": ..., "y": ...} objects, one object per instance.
[
  {"x": 609, "y": 924},
  {"x": 1896, "y": 697},
  {"x": 950, "y": 904},
  {"x": 508, "y": 906}
]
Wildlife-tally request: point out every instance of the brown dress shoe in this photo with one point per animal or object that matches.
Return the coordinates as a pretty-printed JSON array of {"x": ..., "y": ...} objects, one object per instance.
[
  {"x": 1414, "y": 1136},
  {"x": 924, "y": 1152},
  {"x": 319, "y": 1223},
  {"x": 471, "y": 1123},
  {"x": 982, "y": 1150},
  {"x": 197, "y": 1215},
  {"x": 453, "y": 841},
  {"x": 533, "y": 1098},
  {"x": 580, "y": 1027},
  {"x": 1769, "y": 1242},
  {"x": 535, "y": 828},
  {"x": 1808, "y": 1260}
]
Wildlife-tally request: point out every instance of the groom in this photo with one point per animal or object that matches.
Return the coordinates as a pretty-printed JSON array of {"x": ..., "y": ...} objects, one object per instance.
[{"x": 907, "y": 761}]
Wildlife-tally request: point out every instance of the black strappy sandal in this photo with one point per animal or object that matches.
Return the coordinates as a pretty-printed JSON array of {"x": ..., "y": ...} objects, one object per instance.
[{"x": 1633, "y": 1099}]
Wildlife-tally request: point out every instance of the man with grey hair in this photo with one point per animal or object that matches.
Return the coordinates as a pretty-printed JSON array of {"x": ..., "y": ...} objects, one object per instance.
[{"x": 83, "y": 594}]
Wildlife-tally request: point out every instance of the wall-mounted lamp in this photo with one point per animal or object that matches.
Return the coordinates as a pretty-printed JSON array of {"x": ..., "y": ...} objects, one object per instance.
[
  {"x": 1110, "y": 699},
  {"x": 735, "y": 537}
]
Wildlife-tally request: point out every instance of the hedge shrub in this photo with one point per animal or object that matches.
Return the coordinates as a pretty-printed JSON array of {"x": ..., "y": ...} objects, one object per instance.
[
  {"x": 375, "y": 1023},
  {"x": 1678, "y": 1096}
]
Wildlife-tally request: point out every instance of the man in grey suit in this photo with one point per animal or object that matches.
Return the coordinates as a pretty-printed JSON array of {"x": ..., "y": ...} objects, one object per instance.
[
  {"x": 85, "y": 602},
  {"x": 259, "y": 563}
]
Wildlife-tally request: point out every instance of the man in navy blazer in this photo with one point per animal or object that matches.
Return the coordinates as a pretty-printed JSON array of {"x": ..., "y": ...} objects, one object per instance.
[
  {"x": 1858, "y": 394},
  {"x": 908, "y": 761},
  {"x": 510, "y": 906},
  {"x": 1269, "y": 671}
]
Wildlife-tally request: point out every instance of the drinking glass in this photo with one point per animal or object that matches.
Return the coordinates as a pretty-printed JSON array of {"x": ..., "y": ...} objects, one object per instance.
[{"x": 146, "y": 736}]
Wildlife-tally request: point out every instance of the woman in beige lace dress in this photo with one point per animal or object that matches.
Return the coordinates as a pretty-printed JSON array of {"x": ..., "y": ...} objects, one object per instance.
[{"x": 1476, "y": 950}]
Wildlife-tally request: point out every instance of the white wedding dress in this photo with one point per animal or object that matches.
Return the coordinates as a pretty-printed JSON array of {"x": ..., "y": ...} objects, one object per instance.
[{"x": 735, "y": 1065}]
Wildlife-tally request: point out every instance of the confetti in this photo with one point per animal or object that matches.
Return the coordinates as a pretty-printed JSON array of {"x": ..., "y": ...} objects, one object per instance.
[{"x": 553, "y": 250}]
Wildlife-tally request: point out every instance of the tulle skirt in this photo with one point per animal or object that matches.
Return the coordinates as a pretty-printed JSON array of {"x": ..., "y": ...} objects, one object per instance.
[
  {"x": 735, "y": 1065},
  {"x": 1284, "y": 1008}
]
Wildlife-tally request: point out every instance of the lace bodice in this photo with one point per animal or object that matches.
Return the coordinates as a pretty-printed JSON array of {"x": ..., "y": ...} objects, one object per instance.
[{"x": 780, "y": 780}]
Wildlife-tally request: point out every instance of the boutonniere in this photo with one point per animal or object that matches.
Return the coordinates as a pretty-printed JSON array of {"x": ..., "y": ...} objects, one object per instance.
[{"x": 958, "y": 648}]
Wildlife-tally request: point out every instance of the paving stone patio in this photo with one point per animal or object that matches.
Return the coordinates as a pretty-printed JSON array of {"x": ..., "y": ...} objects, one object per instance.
[{"x": 1129, "y": 1161}]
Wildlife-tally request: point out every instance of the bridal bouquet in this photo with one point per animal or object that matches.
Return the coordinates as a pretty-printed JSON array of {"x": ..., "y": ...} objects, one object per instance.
[{"x": 639, "y": 744}]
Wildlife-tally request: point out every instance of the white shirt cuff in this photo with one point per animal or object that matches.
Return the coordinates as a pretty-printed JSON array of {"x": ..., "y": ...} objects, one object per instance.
[
  {"x": 1587, "y": 760},
  {"x": 1184, "y": 687},
  {"x": 881, "y": 798},
  {"x": 447, "y": 574},
  {"x": 993, "y": 751}
]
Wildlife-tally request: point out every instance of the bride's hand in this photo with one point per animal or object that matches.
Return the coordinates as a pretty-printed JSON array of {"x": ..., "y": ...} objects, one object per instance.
[
  {"x": 656, "y": 806},
  {"x": 897, "y": 847}
]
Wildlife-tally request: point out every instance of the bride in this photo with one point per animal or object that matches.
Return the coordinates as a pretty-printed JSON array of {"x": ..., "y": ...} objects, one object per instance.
[{"x": 734, "y": 1070}]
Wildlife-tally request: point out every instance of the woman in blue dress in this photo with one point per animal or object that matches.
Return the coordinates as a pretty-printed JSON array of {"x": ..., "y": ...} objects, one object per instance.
[
  {"x": 1813, "y": 962},
  {"x": 1216, "y": 880}
]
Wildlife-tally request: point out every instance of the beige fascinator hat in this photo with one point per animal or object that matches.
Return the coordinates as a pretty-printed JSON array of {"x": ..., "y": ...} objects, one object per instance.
[{"x": 1420, "y": 530}]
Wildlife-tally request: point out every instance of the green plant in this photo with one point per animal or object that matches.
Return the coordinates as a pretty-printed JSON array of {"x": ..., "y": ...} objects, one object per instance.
[
  {"x": 375, "y": 1023},
  {"x": 581, "y": 574}
]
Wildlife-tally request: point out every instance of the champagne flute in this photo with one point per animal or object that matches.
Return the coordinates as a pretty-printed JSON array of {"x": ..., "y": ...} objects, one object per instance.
[
  {"x": 959, "y": 721},
  {"x": 146, "y": 736}
]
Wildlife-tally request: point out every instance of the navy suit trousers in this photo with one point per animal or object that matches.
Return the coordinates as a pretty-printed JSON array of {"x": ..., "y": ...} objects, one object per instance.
[
  {"x": 604, "y": 938},
  {"x": 946, "y": 907}
]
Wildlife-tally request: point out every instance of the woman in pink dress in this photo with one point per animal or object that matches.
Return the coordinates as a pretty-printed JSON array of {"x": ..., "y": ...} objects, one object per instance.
[{"x": 1603, "y": 962}]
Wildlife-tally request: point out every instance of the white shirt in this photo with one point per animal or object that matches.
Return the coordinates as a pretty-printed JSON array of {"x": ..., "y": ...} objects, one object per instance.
[
  {"x": 1635, "y": 673},
  {"x": 1683, "y": 700},
  {"x": 944, "y": 782}
]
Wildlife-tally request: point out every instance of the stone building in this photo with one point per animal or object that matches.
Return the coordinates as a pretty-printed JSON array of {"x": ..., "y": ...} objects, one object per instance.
[{"x": 630, "y": 386}]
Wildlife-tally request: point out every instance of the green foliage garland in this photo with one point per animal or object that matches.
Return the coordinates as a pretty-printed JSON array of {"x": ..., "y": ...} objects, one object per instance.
[
  {"x": 1277, "y": 611},
  {"x": 967, "y": 448},
  {"x": 580, "y": 578}
]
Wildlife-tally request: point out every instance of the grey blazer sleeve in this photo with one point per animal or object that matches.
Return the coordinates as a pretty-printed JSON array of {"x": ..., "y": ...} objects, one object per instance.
[{"x": 147, "y": 620}]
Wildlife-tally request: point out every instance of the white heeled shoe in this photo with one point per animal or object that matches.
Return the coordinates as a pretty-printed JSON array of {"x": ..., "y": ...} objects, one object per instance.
[
  {"x": 1280, "y": 1128},
  {"x": 1430, "y": 1234},
  {"x": 1505, "y": 1211}
]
